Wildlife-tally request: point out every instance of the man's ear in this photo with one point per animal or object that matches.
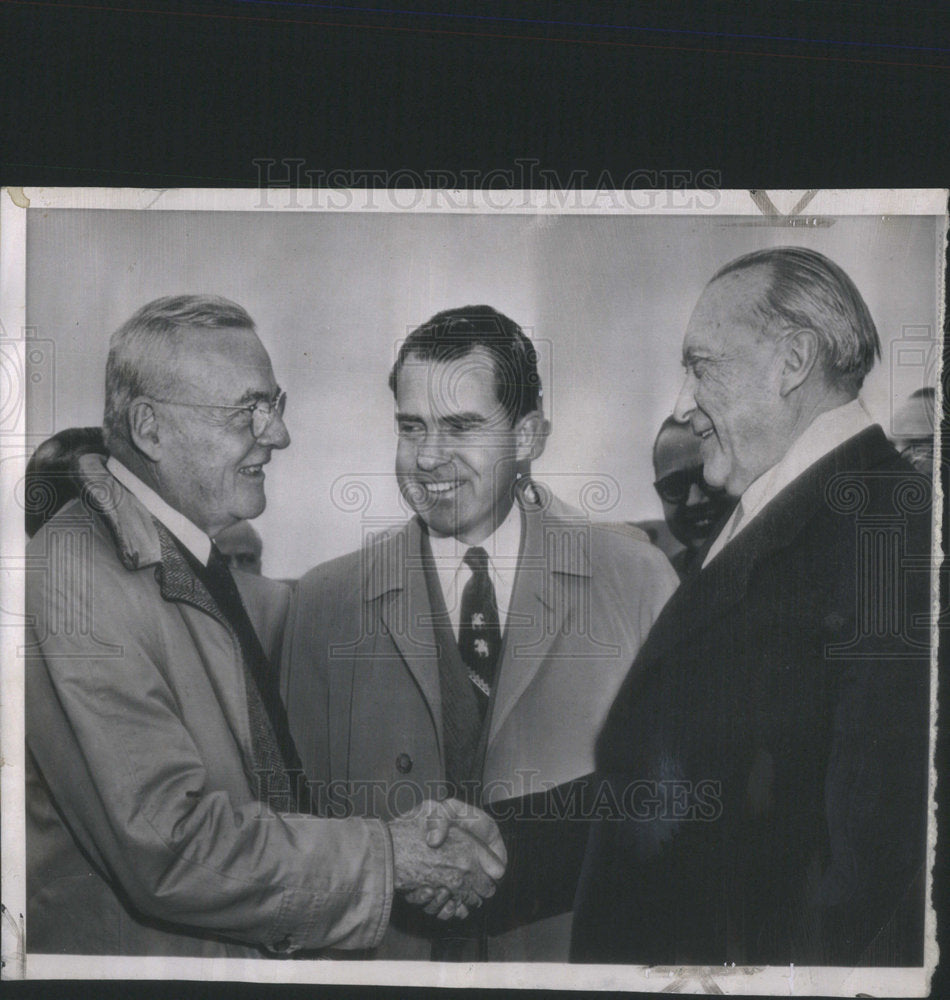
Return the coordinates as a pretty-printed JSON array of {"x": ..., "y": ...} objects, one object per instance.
[
  {"x": 144, "y": 430},
  {"x": 800, "y": 352},
  {"x": 531, "y": 434}
]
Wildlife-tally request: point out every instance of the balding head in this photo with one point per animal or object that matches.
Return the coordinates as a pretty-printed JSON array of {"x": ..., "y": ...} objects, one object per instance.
[
  {"x": 777, "y": 338},
  {"x": 803, "y": 289}
]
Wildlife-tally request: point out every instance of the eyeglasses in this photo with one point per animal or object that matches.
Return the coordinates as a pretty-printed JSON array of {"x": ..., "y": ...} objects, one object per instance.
[
  {"x": 675, "y": 487},
  {"x": 261, "y": 412}
]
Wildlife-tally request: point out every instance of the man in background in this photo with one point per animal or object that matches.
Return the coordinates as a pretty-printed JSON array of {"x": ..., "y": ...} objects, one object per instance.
[
  {"x": 693, "y": 510},
  {"x": 768, "y": 752},
  {"x": 51, "y": 479},
  {"x": 241, "y": 546},
  {"x": 913, "y": 429},
  {"x": 477, "y": 647}
]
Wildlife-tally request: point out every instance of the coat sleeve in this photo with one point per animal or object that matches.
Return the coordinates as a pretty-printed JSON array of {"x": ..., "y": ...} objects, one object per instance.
[
  {"x": 870, "y": 895},
  {"x": 106, "y": 729}
]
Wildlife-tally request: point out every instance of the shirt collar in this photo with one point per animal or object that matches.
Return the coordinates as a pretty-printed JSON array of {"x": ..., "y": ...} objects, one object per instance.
[
  {"x": 502, "y": 546},
  {"x": 821, "y": 436},
  {"x": 187, "y": 532}
]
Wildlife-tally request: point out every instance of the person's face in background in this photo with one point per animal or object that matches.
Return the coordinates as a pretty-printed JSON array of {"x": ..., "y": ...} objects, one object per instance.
[
  {"x": 241, "y": 546},
  {"x": 691, "y": 508},
  {"x": 912, "y": 430}
]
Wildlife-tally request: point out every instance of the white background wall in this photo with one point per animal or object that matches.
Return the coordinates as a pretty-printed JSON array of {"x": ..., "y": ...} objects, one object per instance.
[{"x": 606, "y": 298}]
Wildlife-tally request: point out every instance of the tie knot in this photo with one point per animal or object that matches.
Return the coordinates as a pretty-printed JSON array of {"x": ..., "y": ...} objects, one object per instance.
[{"x": 477, "y": 559}]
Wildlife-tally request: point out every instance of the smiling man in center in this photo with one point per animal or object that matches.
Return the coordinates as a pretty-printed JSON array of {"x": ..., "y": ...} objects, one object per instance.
[{"x": 477, "y": 648}]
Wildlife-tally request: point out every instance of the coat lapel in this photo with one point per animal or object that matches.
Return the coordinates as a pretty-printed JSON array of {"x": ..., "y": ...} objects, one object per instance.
[
  {"x": 223, "y": 660},
  {"x": 553, "y": 569},
  {"x": 395, "y": 577},
  {"x": 710, "y": 592},
  {"x": 142, "y": 541}
]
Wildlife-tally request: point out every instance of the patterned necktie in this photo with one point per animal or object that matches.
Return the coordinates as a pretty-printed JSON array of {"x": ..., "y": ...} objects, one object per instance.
[
  {"x": 275, "y": 753},
  {"x": 479, "y": 631}
]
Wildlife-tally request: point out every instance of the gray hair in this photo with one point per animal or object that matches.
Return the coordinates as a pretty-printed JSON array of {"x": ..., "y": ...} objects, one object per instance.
[
  {"x": 142, "y": 351},
  {"x": 808, "y": 291}
]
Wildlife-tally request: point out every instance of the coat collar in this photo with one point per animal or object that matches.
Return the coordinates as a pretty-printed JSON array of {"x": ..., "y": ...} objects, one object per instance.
[
  {"x": 555, "y": 548},
  {"x": 140, "y": 539},
  {"x": 134, "y": 530},
  {"x": 723, "y": 582},
  {"x": 400, "y": 549}
]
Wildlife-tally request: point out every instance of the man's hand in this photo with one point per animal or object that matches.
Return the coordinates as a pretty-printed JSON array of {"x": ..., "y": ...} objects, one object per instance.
[{"x": 448, "y": 856}]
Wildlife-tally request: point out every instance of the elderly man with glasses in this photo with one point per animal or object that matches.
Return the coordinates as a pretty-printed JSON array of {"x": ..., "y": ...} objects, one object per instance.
[{"x": 166, "y": 809}]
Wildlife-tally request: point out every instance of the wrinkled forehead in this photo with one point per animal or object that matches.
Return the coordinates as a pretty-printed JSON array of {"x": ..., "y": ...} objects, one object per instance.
[
  {"x": 230, "y": 362},
  {"x": 728, "y": 310}
]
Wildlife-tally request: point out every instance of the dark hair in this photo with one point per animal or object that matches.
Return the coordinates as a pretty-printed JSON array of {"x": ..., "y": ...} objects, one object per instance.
[
  {"x": 52, "y": 473},
  {"x": 668, "y": 424},
  {"x": 454, "y": 333},
  {"x": 809, "y": 291}
]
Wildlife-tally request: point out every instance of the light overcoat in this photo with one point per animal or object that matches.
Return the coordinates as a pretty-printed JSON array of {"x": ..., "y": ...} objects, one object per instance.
[
  {"x": 362, "y": 685},
  {"x": 144, "y": 835}
]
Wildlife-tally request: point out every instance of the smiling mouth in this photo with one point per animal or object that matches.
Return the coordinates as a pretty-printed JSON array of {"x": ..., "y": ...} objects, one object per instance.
[
  {"x": 440, "y": 489},
  {"x": 253, "y": 471}
]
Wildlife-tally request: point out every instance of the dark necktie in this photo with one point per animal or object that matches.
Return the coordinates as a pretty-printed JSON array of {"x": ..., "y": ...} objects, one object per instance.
[
  {"x": 275, "y": 753},
  {"x": 479, "y": 631}
]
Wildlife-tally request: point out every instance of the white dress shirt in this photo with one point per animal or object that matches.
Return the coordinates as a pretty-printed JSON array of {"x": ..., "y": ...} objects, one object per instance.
[
  {"x": 187, "y": 532},
  {"x": 822, "y": 435},
  {"x": 502, "y": 547}
]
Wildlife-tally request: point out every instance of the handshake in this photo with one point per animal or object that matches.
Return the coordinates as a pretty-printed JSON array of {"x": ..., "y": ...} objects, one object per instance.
[{"x": 447, "y": 856}]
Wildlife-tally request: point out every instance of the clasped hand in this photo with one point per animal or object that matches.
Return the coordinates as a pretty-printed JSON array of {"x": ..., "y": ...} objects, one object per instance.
[{"x": 448, "y": 856}]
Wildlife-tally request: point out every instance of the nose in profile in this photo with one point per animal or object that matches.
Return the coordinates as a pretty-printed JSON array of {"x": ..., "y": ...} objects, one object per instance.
[
  {"x": 686, "y": 400},
  {"x": 275, "y": 434}
]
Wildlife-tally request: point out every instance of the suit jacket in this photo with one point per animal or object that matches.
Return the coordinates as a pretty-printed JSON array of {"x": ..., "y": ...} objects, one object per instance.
[
  {"x": 143, "y": 833},
  {"x": 361, "y": 673},
  {"x": 763, "y": 771}
]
